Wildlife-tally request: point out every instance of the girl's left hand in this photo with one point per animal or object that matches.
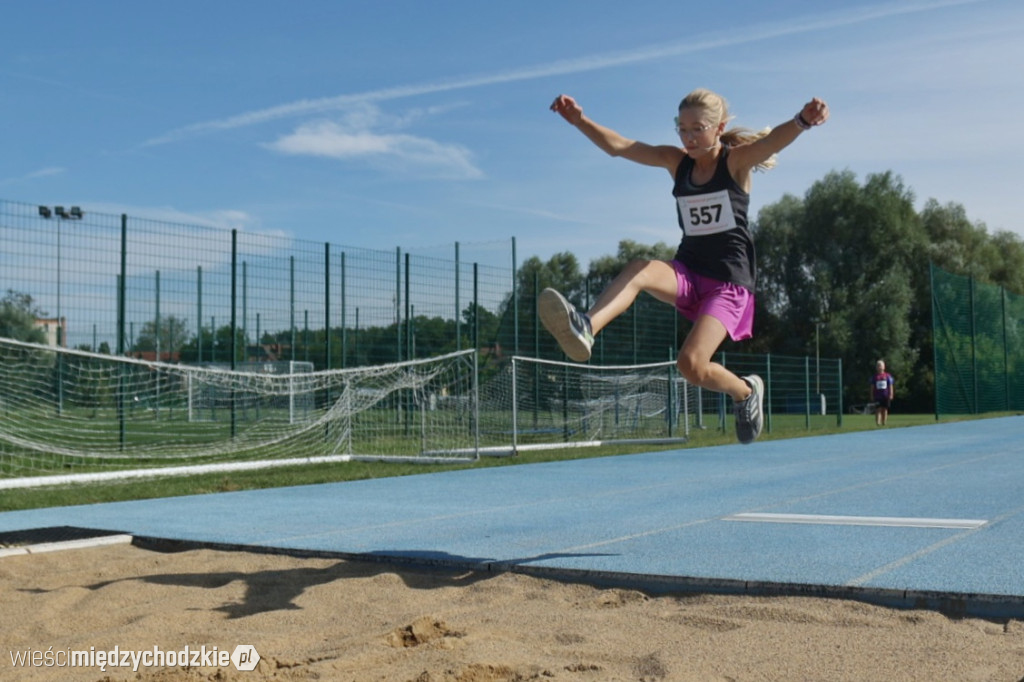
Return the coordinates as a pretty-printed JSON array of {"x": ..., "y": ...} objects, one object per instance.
[{"x": 815, "y": 112}]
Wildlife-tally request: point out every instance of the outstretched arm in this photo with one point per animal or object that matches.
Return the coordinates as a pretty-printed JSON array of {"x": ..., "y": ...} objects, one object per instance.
[
  {"x": 614, "y": 144},
  {"x": 746, "y": 157}
]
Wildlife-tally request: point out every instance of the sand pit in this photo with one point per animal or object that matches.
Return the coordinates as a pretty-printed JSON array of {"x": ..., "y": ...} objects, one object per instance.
[{"x": 325, "y": 619}]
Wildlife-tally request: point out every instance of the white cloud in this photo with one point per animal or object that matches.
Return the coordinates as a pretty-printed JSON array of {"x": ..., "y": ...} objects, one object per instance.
[
  {"x": 353, "y": 139},
  {"x": 326, "y": 138},
  {"x": 47, "y": 172}
]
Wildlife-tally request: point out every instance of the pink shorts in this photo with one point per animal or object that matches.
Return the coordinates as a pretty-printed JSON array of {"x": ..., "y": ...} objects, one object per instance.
[{"x": 730, "y": 304}]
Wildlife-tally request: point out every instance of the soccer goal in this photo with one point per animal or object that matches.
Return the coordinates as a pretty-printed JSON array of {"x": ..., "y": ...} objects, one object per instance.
[
  {"x": 66, "y": 411},
  {"x": 561, "y": 404}
]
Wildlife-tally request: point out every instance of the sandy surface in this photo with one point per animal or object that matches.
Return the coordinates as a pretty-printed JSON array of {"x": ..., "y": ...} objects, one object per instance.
[{"x": 321, "y": 619}]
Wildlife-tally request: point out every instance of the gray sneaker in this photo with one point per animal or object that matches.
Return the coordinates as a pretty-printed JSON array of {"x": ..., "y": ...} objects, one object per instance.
[
  {"x": 750, "y": 412},
  {"x": 569, "y": 327}
]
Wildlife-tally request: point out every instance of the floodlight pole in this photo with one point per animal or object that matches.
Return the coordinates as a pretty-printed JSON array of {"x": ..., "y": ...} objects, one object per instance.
[{"x": 74, "y": 214}]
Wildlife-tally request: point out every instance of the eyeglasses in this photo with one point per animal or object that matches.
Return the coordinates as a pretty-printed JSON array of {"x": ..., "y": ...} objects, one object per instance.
[{"x": 695, "y": 132}]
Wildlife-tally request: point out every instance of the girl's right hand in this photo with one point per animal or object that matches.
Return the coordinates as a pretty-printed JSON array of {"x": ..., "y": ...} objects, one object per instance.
[{"x": 567, "y": 107}]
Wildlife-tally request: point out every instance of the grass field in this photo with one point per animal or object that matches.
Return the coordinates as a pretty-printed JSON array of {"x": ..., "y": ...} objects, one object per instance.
[{"x": 782, "y": 427}]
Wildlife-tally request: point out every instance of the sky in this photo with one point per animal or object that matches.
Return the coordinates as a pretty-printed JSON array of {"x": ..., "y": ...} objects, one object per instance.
[{"x": 381, "y": 124}]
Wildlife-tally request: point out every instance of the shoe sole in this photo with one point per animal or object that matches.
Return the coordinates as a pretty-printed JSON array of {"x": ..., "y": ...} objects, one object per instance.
[{"x": 554, "y": 315}]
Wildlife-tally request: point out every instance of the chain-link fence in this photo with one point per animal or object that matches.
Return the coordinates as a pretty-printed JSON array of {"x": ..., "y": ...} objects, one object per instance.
[
  {"x": 200, "y": 294},
  {"x": 978, "y": 332},
  {"x": 194, "y": 293},
  {"x": 197, "y": 294}
]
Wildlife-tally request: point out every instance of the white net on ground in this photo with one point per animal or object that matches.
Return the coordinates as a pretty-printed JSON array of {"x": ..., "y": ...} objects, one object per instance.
[
  {"x": 562, "y": 404},
  {"x": 209, "y": 401},
  {"x": 65, "y": 410}
]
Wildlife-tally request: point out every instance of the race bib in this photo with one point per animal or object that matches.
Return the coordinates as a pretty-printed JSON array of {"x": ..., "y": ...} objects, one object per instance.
[
  {"x": 704, "y": 214},
  {"x": 882, "y": 384}
]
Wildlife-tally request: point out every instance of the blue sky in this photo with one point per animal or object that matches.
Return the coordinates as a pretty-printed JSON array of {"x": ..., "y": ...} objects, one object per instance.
[{"x": 381, "y": 124}]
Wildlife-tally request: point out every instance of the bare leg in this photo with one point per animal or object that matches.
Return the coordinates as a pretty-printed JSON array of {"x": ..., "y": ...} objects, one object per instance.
[
  {"x": 695, "y": 364},
  {"x": 656, "y": 277}
]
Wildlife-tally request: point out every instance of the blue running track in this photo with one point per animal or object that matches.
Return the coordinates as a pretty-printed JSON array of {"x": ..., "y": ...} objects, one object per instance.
[{"x": 929, "y": 517}]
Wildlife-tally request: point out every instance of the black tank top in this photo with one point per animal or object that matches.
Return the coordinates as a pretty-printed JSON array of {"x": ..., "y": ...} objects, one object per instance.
[{"x": 716, "y": 240}]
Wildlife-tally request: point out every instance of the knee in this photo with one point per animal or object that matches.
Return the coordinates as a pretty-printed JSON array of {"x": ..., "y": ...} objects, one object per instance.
[{"x": 693, "y": 367}]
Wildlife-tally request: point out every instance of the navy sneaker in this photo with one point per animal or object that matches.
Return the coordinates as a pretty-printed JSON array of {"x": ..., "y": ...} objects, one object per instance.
[
  {"x": 569, "y": 327},
  {"x": 750, "y": 412}
]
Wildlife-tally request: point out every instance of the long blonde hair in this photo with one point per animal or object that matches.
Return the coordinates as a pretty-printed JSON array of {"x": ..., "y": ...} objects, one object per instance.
[{"x": 717, "y": 109}]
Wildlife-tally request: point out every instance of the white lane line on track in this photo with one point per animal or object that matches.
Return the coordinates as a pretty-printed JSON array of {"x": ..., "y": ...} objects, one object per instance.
[{"x": 888, "y": 521}]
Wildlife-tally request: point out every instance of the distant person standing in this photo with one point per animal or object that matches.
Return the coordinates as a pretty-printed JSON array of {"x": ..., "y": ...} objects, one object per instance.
[{"x": 882, "y": 393}]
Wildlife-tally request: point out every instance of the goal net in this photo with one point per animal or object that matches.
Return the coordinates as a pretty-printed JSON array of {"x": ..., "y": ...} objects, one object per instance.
[
  {"x": 561, "y": 404},
  {"x": 67, "y": 411},
  {"x": 208, "y": 401}
]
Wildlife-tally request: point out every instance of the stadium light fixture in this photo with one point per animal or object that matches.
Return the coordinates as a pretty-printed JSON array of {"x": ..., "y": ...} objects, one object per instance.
[{"x": 75, "y": 213}]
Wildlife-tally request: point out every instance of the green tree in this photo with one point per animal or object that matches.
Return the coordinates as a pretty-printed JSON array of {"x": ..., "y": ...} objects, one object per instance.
[
  {"x": 172, "y": 335},
  {"x": 18, "y": 314},
  {"x": 844, "y": 263}
]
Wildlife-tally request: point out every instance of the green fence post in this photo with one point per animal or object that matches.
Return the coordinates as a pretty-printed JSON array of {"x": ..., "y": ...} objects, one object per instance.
[
  {"x": 515, "y": 300},
  {"x": 327, "y": 309},
  {"x": 807, "y": 392},
  {"x": 633, "y": 344},
  {"x": 122, "y": 313},
  {"x": 398, "y": 304},
  {"x": 407, "y": 328},
  {"x": 565, "y": 403},
  {"x": 458, "y": 316},
  {"x": 839, "y": 412},
  {"x": 721, "y": 401},
  {"x": 974, "y": 349},
  {"x": 157, "y": 341},
  {"x": 291, "y": 303},
  {"x": 1006, "y": 353},
  {"x": 476, "y": 307},
  {"x": 233, "y": 326},
  {"x": 199, "y": 313},
  {"x": 671, "y": 396},
  {"x": 245, "y": 312},
  {"x": 233, "y": 319},
  {"x": 344, "y": 316},
  {"x": 935, "y": 340}
]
